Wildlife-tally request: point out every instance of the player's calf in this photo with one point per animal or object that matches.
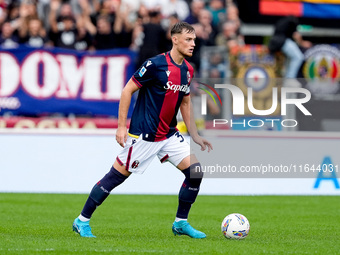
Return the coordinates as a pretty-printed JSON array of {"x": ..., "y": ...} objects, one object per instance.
[
  {"x": 189, "y": 190},
  {"x": 187, "y": 196},
  {"x": 101, "y": 190}
]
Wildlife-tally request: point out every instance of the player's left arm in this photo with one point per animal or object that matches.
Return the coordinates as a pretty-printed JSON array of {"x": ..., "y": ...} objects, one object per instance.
[{"x": 189, "y": 120}]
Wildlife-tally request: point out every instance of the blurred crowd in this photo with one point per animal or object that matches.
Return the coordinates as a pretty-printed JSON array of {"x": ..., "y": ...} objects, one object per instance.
[{"x": 141, "y": 25}]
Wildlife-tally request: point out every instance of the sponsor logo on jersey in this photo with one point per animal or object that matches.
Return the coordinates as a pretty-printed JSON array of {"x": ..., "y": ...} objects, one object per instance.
[
  {"x": 168, "y": 73},
  {"x": 175, "y": 87},
  {"x": 188, "y": 76},
  {"x": 142, "y": 71}
]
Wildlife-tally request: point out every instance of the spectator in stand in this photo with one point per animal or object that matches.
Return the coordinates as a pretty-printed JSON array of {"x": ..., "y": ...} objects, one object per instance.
[
  {"x": 178, "y": 7},
  {"x": 28, "y": 8},
  {"x": 43, "y": 10},
  {"x": 153, "y": 5},
  {"x": 107, "y": 8},
  {"x": 207, "y": 31},
  {"x": 218, "y": 12},
  {"x": 65, "y": 9},
  {"x": 113, "y": 24},
  {"x": 71, "y": 23},
  {"x": 283, "y": 40},
  {"x": 123, "y": 27},
  {"x": 233, "y": 15},
  {"x": 33, "y": 34},
  {"x": 134, "y": 5},
  {"x": 21, "y": 14},
  {"x": 217, "y": 66},
  {"x": 142, "y": 15},
  {"x": 105, "y": 37},
  {"x": 78, "y": 6},
  {"x": 199, "y": 42},
  {"x": 173, "y": 19},
  {"x": 228, "y": 36},
  {"x": 84, "y": 40},
  {"x": 154, "y": 38},
  {"x": 3, "y": 11},
  {"x": 8, "y": 39},
  {"x": 195, "y": 8},
  {"x": 137, "y": 33},
  {"x": 63, "y": 34},
  {"x": 85, "y": 28},
  {"x": 13, "y": 14}
]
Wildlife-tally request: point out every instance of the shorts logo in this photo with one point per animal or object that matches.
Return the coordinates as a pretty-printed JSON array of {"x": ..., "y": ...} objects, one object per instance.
[
  {"x": 133, "y": 141},
  {"x": 135, "y": 164}
]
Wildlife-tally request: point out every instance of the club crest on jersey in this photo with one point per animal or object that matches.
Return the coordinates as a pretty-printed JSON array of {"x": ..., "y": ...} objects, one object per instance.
[
  {"x": 142, "y": 71},
  {"x": 168, "y": 73},
  {"x": 135, "y": 164},
  {"x": 188, "y": 76}
]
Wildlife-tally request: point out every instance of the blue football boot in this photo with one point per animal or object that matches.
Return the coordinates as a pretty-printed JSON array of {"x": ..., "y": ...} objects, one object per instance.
[
  {"x": 82, "y": 228},
  {"x": 183, "y": 228}
]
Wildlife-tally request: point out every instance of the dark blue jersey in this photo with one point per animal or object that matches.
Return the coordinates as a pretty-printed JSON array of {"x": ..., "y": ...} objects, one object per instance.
[{"x": 163, "y": 84}]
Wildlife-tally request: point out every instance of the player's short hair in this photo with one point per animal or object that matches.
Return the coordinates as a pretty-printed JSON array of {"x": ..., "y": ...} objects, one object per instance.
[{"x": 180, "y": 27}]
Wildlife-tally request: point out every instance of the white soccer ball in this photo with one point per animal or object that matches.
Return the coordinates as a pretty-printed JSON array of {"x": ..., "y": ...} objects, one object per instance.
[{"x": 235, "y": 226}]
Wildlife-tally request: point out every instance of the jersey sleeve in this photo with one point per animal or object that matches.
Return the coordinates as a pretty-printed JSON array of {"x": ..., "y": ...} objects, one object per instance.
[
  {"x": 145, "y": 75},
  {"x": 187, "y": 92}
]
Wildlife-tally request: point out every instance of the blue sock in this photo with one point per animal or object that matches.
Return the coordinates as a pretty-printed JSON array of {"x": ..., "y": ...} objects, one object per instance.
[
  {"x": 189, "y": 190},
  {"x": 101, "y": 190}
]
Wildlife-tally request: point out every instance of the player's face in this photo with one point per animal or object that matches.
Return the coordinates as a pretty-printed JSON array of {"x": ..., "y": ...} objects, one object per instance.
[{"x": 186, "y": 43}]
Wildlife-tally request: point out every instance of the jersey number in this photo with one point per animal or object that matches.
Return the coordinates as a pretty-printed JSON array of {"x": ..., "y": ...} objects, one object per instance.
[{"x": 179, "y": 136}]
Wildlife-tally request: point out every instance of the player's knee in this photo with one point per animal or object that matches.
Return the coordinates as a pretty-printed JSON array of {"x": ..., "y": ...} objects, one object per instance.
[
  {"x": 196, "y": 171},
  {"x": 121, "y": 168},
  {"x": 194, "y": 175}
]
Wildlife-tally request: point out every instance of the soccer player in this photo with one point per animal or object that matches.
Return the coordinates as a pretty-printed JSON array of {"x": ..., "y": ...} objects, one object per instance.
[{"x": 163, "y": 82}]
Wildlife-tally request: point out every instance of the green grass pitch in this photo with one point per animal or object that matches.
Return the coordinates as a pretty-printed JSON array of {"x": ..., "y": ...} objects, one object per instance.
[{"x": 141, "y": 224}]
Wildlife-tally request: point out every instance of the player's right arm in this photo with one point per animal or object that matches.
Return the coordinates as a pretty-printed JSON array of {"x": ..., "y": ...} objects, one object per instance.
[{"x": 124, "y": 104}]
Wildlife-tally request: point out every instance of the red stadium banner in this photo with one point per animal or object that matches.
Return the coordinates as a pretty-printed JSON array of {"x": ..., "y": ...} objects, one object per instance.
[
  {"x": 280, "y": 8},
  {"x": 323, "y": 9}
]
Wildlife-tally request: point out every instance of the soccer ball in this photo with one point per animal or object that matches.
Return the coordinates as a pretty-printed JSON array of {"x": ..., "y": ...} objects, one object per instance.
[{"x": 235, "y": 226}]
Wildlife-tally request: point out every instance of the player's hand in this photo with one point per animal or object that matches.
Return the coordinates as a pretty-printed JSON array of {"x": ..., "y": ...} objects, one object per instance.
[
  {"x": 204, "y": 143},
  {"x": 121, "y": 136}
]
